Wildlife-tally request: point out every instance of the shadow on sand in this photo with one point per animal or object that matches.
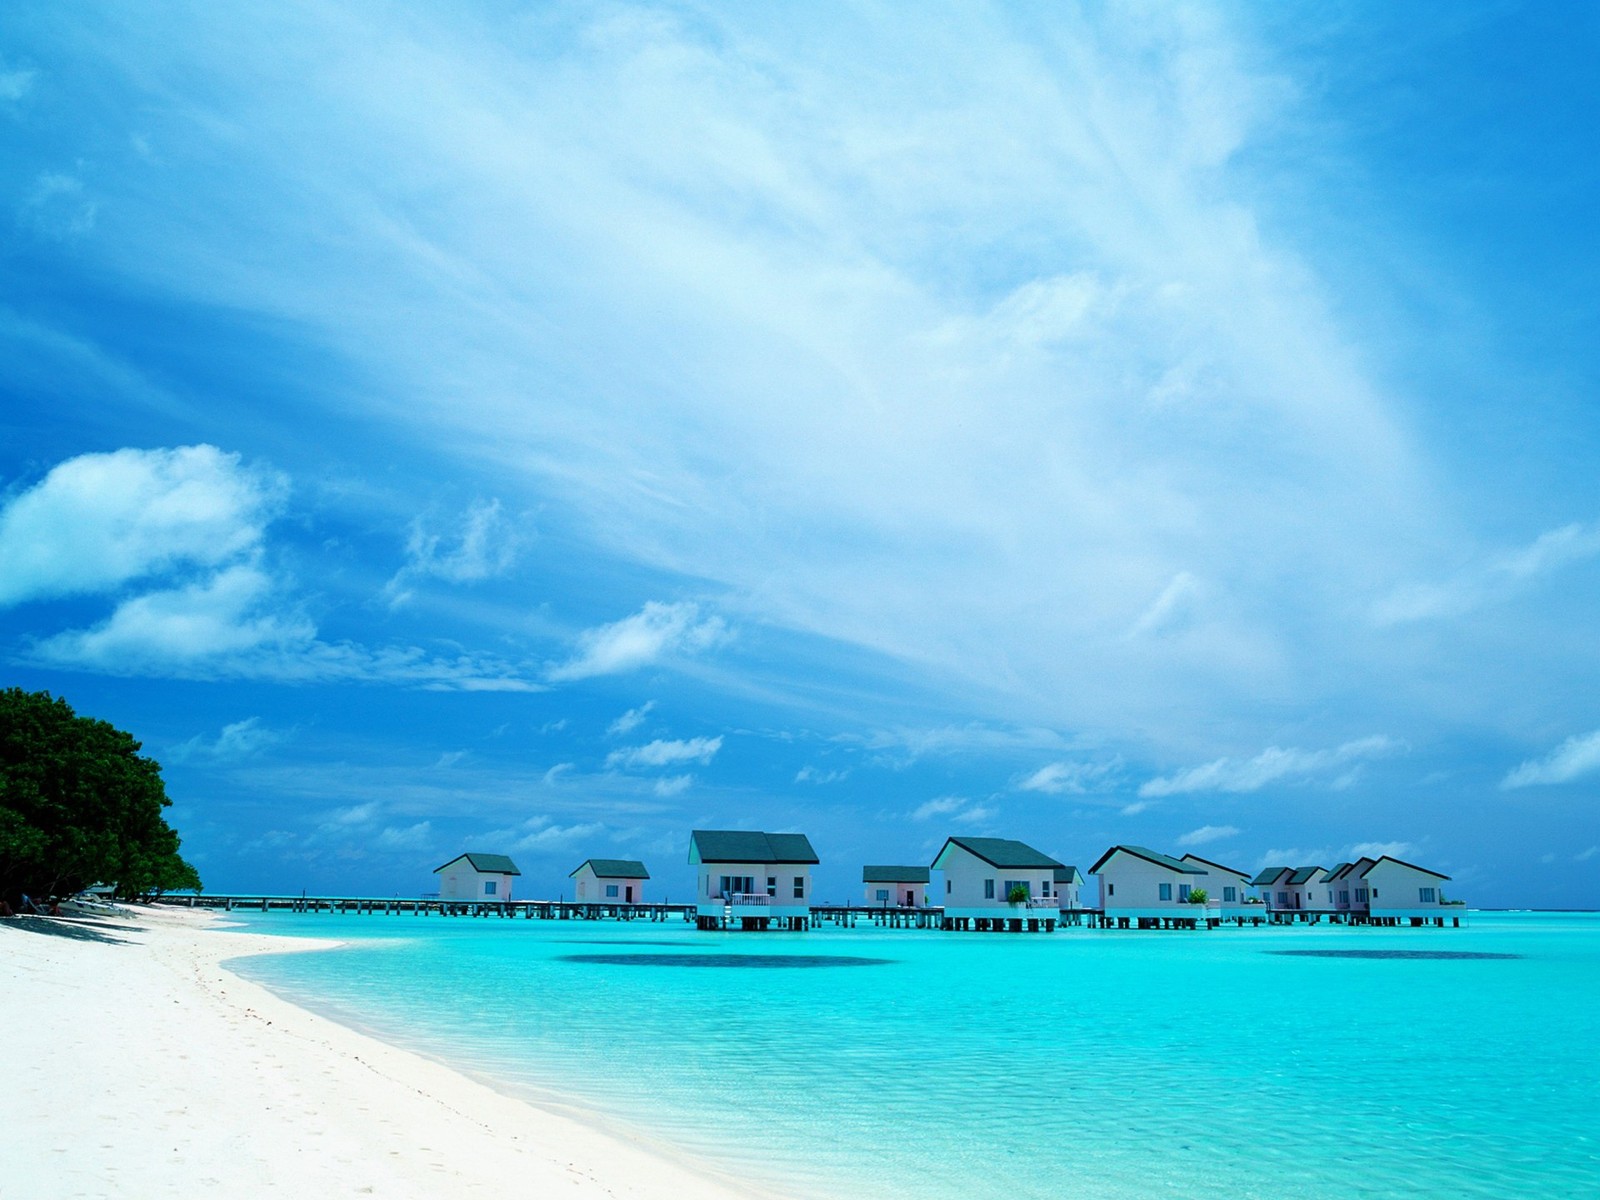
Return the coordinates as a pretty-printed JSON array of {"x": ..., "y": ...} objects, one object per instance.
[{"x": 77, "y": 926}]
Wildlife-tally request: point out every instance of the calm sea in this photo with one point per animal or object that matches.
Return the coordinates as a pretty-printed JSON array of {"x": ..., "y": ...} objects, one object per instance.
[{"x": 844, "y": 1063}]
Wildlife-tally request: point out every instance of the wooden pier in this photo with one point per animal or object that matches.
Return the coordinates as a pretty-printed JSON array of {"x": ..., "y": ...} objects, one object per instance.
[{"x": 547, "y": 910}]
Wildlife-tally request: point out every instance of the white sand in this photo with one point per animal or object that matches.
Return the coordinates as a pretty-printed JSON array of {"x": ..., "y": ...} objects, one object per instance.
[{"x": 142, "y": 1069}]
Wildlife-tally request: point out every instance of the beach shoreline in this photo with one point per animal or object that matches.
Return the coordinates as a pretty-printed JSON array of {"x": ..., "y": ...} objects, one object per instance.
[{"x": 136, "y": 1063}]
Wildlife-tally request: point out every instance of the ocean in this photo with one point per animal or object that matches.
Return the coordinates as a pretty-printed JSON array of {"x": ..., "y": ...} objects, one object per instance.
[{"x": 1274, "y": 1062}]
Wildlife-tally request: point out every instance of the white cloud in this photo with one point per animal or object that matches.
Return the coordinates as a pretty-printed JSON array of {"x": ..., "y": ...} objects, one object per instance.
[
  {"x": 1586, "y": 855},
  {"x": 1206, "y": 834},
  {"x": 1270, "y": 766},
  {"x": 673, "y": 785},
  {"x": 1134, "y": 809},
  {"x": 98, "y": 521},
  {"x": 655, "y": 632},
  {"x": 485, "y": 545},
  {"x": 662, "y": 753},
  {"x": 1072, "y": 778},
  {"x": 630, "y": 720},
  {"x": 409, "y": 837},
  {"x": 58, "y": 206},
  {"x": 1379, "y": 849},
  {"x": 15, "y": 83},
  {"x": 1492, "y": 580},
  {"x": 240, "y": 740},
  {"x": 957, "y": 809},
  {"x": 1575, "y": 757},
  {"x": 1172, "y": 611},
  {"x": 1295, "y": 858},
  {"x": 816, "y": 775}
]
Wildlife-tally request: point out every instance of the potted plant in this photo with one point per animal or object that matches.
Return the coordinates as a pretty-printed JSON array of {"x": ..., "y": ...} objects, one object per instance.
[
  {"x": 1197, "y": 896},
  {"x": 1018, "y": 894}
]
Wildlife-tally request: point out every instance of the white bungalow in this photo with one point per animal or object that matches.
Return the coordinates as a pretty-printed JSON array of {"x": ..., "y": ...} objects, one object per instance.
[
  {"x": 1147, "y": 886},
  {"x": 754, "y": 879},
  {"x": 896, "y": 887},
  {"x": 476, "y": 877},
  {"x": 997, "y": 883},
  {"x": 1293, "y": 890},
  {"x": 1266, "y": 885},
  {"x": 1227, "y": 890},
  {"x": 609, "y": 881},
  {"x": 1069, "y": 888},
  {"x": 1346, "y": 893},
  {"x": 1402, "y": 891}
]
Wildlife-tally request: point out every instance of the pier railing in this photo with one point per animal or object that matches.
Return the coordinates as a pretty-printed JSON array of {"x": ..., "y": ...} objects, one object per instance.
[{"x": 749, "y": 900}]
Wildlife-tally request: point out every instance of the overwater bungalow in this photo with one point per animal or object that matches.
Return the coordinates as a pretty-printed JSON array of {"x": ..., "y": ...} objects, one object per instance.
[
  {"x": 476, "y": 876},
  {"x": 1227, "y": 890},
  {"x": 752, "y": 880},
  {"x": 609, "y": 881},
  {"x": 997, "y": 883},
  {"x": 1147, "y": 888},
  {"x": 1403, "y": 893},
  {"x": 1068, "y": 888},
  {"x": 1266, "y": 883},
  {"x": 1291, "y": 892},
  {"x": 896, "y": 887}
]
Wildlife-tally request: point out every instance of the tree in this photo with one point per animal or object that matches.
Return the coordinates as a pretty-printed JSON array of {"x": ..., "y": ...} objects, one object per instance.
[
  {"x": 79, "y": 805},
  {"x": 1198, "y": 896}
]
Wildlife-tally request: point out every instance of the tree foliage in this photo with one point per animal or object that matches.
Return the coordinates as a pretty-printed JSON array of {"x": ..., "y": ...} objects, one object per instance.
[{"x": 80, "y": 805}]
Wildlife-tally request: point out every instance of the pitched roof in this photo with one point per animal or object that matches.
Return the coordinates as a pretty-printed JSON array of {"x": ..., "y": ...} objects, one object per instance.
[
  {"x": 1302, "y": 875},
  {"x": 613, "y": 868},
  {"x": 1403, "y": 863},
  {"x": 1337, "y": 873},
  {"x": 1000, "y": 852},
  {"x": 750, "y": 846},
  {"x": 1206, "y": 862},
  {"x": 1067, "y": 875},
  {"x": 894, "y": 874},
  {"x": 1268, "y": 875},
  {"x": 488, "y": 864},
  {"x": 1150, "y": 856}
]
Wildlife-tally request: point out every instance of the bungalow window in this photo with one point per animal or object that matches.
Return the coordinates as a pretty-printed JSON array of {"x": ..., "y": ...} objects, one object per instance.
[
  {"x": 488, "y": 887},
  {"x": 772, "y": 885},
  {"x": 1283, "y": 899},
  {"x": 988, "y": 889},
  {"x": 883, "y": 895},
  {"x": 946, "y": 887},
  {"x": 611, "y": 891},
  {"x": 1230, "y": 894},
  {"x": 1361, "y": 895},
  {"x": 1165, "y": 891},
  {"x": 799, "y": 887},
  {"x": 1183, "y": 892},
  {"x": 1344, "y": 897},
  {"x": 1426, "y": 895},
  {"x": 1111, "y": 889}
]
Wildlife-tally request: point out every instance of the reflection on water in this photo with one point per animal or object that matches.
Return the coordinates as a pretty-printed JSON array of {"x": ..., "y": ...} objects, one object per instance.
[
  {"x": 768, "y": 961},
  {"x": 1388, "y": 954}
]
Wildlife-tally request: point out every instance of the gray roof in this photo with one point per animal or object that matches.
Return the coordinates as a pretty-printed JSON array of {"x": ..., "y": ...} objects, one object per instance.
[
  {"x": 1067, "y": 875},
  {"x": 894, "y": 874},
  {"x": 1268, "y": 875},
  {"x": 1206, "y": 862},
  {"x": 613, "y": 868},
  {"x": 1403, "y": 863},
  {"x": 489, "y": 864},
  {"x": 1001, "y": 852},
  {"x": 749, "y": 846},
  {"x": 1302, "y": 875},
  {"x": 1153, "y": 856}
]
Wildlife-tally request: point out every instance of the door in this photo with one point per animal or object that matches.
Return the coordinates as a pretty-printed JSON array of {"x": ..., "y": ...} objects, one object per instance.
[{"x": 629, "y": 891}]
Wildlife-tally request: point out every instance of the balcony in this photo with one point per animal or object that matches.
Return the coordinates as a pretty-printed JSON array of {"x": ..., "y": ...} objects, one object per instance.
[{"x": 749, "y": 900}]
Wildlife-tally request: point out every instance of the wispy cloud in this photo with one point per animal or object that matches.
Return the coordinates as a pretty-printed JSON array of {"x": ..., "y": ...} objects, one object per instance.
[
  {"x": 958, "y": 809},
  {"x": 1574, "y": 758},
  {"x": 237, "y": 741},
  {"x": 820, "y": 776},
  {"x": 1207, "y": 834},
  {"x": 630, "y": 720},
  {"x": 655, "y": 632},
  {"x": 484, "y": 545},
  {"x": 663, "y": 753},
  {"x": 1492, "y": 580},
  {"x": 1272, "y": 765},
  {"x": 1379, "y": 849},
  {"x": 1072, "y": 778},
  {"x": 672, "y": 785}
]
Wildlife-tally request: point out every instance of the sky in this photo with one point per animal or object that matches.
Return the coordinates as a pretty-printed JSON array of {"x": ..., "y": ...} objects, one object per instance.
[{"x": 549, "y": 428}]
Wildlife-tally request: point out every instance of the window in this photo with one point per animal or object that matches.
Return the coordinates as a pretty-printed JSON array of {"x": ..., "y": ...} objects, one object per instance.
[
  {"x": 883, "y": 895},
  {"x": 1361, "y": 895},
  {"x": 988, "y": 889},
  {"x": 1283, "y": 899},
  {"x": 1230, "y": 894},
  {"x": 488, "y": 887},
  {"x": 799, "y": 887},
  {"x": 1426, "y": 895},
  {"x": 611, "y": 891},
  {"x": 1111, "y": 889},
  {"x": 946, "y": 887},
  {"x": 1330, "y": 895},
  {"x": 772, "y": 885},
  {"x": 1183, "y": 892},
  {"x": 1344, "y": 896},
  {"x": 1165, "y": 891}
]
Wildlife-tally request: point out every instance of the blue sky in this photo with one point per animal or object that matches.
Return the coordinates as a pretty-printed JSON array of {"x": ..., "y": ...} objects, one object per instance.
[{"x": 549, "y": 428}]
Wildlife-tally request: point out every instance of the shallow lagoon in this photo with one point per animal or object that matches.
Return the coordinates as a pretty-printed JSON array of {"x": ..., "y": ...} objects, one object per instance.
[{"x": 900, "y": 1062}]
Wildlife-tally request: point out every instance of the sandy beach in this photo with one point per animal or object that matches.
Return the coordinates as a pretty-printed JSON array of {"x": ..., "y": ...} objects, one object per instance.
[{"x": 134, "y": 1065}]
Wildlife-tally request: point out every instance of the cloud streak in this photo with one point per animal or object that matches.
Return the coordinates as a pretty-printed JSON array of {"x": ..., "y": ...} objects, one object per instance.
[
  {"x": 1272, "y": 765},
  {"x": 1575, "y": 758}
]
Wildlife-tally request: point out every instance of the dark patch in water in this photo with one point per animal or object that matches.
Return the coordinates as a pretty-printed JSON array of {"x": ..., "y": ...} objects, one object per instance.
[
  {"x": 756, "y": 961},
  {"x": 624, "y": 942},
  {"x": 1452, "y": 954}
]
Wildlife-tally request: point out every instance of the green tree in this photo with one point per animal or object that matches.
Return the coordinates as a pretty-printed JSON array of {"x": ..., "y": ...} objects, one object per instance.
[
  {"x": 1198, "y": 896},
  {"x": 79, "y": 805}
]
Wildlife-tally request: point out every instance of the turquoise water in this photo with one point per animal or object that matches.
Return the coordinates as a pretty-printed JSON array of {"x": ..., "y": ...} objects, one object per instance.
[{"x": 962, "y": 1064}]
